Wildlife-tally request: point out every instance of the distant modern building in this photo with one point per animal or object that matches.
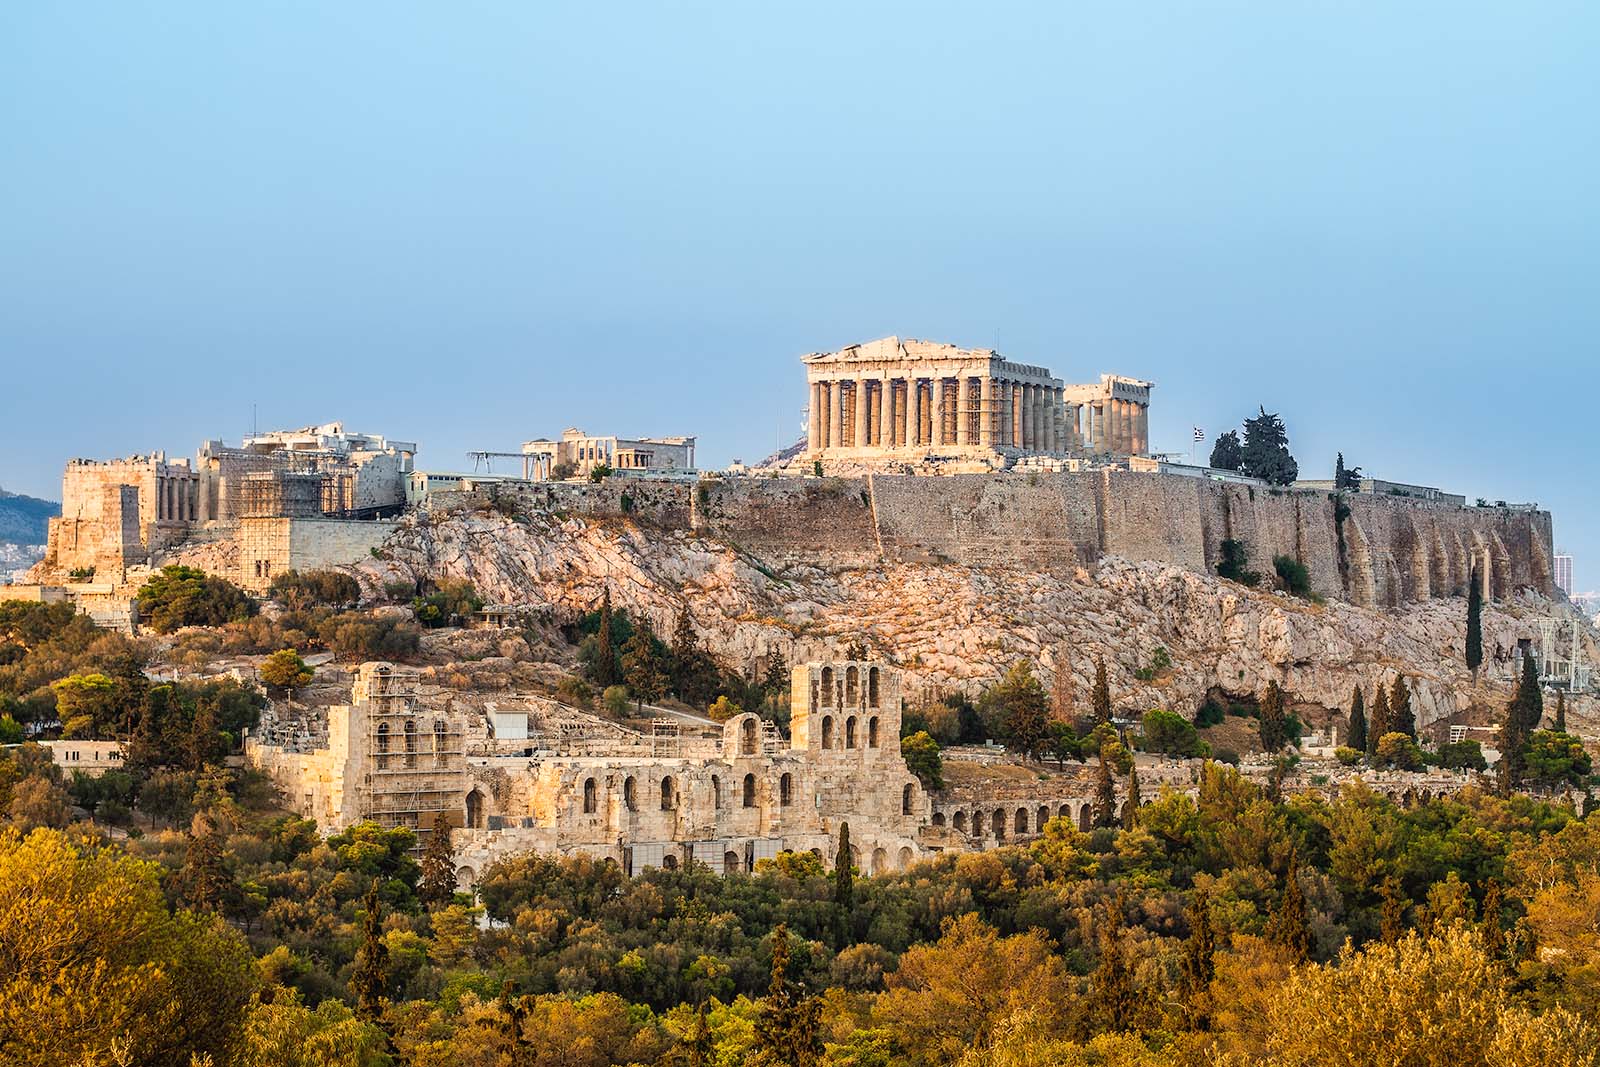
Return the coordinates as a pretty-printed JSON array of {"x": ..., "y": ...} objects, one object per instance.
[
  {"x": 1563, "y": 569},
  {"x": 1380, "y": 487},
  {"x": 625, "y": 455}
]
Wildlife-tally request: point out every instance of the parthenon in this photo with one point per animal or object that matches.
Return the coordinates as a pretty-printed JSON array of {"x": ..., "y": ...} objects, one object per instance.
[{"x": 908, "y": 397}]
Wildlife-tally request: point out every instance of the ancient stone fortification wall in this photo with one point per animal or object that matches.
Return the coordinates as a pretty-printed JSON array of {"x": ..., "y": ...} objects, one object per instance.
[
  {"x": 268, "y": 547},
  {"x": 1376, "y": 551}
]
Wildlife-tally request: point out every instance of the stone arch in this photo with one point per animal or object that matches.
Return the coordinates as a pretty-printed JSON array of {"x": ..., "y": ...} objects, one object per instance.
[
  {"x": 1020, "y": 824},
  {"x": 749, "y": 742},
  {"x": 1085, "y": 818},
  {"x": 880, "y": 861},
  {"x": 716, "y": 791},
  {"x": 383, "y": 746},
  {"x": 411, "y": 742},
  {"x": 474, "y": 809},
  {"x": 731, "y": 862},
  {"x": 827, "y": 686},
  {"x": 850, "y": 732},
  {"x": 997, "y": 824},
  {"x": 904, "y": 859},
  {"x": 1043, "y": 816},
  {"x": 669, "y": 862},
  {"x": 958, "y": 822},
  {"x": 630, "y": 794},
  {"x": 1064, "y": 812},
  {"x": 872, "y": 687},
  {"x": 852, "y": 687},
  {"x": 786, "y": 789},
  {"x": 855, "y": 857},
  {"x": 590, "y": 796},
  {"x": 669, "y": 793},
  {"x": 749, "y": 792},
  {"x": 907, "y": 797},
  {"x": 827, "y": 731},
  {"x": 872, "y": 732},
  {"x": 465, "y": 878},
  {"x": 439, "y": 744},
  {"x": 938, "y": 818}
]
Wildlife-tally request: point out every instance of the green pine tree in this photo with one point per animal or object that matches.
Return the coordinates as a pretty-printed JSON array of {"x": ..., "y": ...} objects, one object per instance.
[
  {"x": 436, "y": 885},
  {"x": 1530, "y": 697},
  {"x": 1291, "y": 924},
  {"x": 1100, "y": 699},
  {"x": 605, "y": 656},
  {"x": 1378, "y": 724},
  {"x": 1105, "y": 802},
  {"x": 1401, "y": 718},
  {"x": 844, "y": 890},
  {"x": 1561, "y": 711},
  {"x": 1199, "y": 966},
  {"x": 788, "y": 1029},
  {"x": 1273, "y": 735},
  {"x": 1357, "y": 738},
  {"x": 1494, "y": 935},
  {"x": 369, "y": 979},
  {"x": 644, "y": 668},
  {"x": 206, "y": 882},
  {"x": 1130, "y": 812},
  {"x": 1474, "y": 624},
  {"x": 1392, "y": 917}
]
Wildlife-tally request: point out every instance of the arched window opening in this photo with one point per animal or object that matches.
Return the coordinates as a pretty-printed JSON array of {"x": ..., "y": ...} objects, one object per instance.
[
  {"x": 786, "y": 789},
  {"x": 383, "y": 746},
  {"x": 907, "y": 795},
  {"x": 938, "y": 818},
  {"x": 411, "y": 743},
  {"x": 669, "y": 794},
  {"x": 827, "y": 687},
  {"x": 827, "y": 731},
  {"x": 630, "y": 794},
  {"x": 669, "y": 862},
  {"x": 1021, "y": 825},
  {"x": 716, "y": 791},
  {"x": 997, "y": 823},
  {"x": 747, "y": 738},
  {"x": 1043, "y": 817},
  {"x": 872, "y": 686},
  {"x": 850, "y": 732},
  {"x": 475, "y": 810},
  {"x": 851, "y": 678},
  {"x": 959, "y": 821},
  {"x": 749, "y": 790},
  {"x": 590, "y": 796},
  {"x": 872, "y": 732},
  {"x": 731, "y": 863},
  {"x": 439, "y": 743},
  {"x": 1064, "y": 812},
  {"x": 1085, "y": 819}
]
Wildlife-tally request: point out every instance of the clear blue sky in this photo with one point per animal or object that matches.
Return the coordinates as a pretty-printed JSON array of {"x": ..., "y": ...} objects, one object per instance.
[{"x": 472, "y": 224}]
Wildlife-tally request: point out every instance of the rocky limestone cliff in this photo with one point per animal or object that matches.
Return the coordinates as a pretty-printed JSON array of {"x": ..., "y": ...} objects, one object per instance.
[{"x": 959, "y": 625}]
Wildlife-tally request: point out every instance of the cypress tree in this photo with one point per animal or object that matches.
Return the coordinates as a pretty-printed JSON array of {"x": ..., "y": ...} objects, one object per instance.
[
  {"x": 1561, "y": 711},
  {"x": 1100, "y": 701},
  {"x": 701, "y": 1046},
  {"x": 844, "y": 889},
  {"x": 370, "y": 977},
  {"x": 206, "y": 883},
  {"x": 1115, "y": 1000},
  {"x": 1199, "y": 959},
  {"x": 1105, "y": 802},
  {"x": 605, "y": 656},
  {"x": 1474, "y": 624},
  {"x": 437, "y": 884},
  {"x": 1530, "y": 698},
  {"x": 1291, "y": 926},
  {"x": 1357, "y": 738},
  {"x": 1401, "y": 719},
  {"x": 1130, "y": 813},
  {"x": 789, "y": 1026},
  {"x": 1379, "y": 724},
  {"x": 1272, "y": 728},
  {"x": 645, "y": 670},
  {"x": 1494, "y": 937}
]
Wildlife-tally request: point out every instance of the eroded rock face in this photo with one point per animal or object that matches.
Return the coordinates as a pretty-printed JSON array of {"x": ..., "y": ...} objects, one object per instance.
[{"x": 957, "y": 627}]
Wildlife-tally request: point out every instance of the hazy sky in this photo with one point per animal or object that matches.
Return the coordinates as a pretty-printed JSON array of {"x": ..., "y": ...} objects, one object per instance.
[{"x": 472, "y": 224}]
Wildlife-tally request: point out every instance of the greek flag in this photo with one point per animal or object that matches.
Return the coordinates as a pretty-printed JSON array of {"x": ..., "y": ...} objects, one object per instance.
[{"x": 1199, "y": 434}]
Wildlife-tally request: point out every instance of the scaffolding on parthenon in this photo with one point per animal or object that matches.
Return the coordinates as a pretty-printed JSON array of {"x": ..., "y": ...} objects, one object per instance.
[{"x": 418, "y": 761}]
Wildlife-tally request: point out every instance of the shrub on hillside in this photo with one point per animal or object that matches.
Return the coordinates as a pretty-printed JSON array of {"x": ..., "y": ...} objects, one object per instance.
[{"x": 187, "y": 596}]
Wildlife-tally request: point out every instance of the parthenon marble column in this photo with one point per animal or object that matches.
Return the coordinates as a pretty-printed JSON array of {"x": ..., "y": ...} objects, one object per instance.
[
  {"x": 885, "y": 413},
  {"x": 986, "y": 411},
  {"x": 814, "y": 422},
  {"x": 835, "y": 415},
  {"x": 936, "y": 411},
  {"x": 963, "y": 410},
  {"x": 913, "y": 412},
  {"x": 860, "y": 439}
]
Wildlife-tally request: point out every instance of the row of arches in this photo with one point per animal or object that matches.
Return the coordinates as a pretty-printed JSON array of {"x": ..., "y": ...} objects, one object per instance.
[
  {"x": 670, "y": 795},
  {"x": 384, "y": 738},
  {"x": 850, "y": 739},
  {"x": 1020, "y": 821},
  {"x": 845, "y": 688}
]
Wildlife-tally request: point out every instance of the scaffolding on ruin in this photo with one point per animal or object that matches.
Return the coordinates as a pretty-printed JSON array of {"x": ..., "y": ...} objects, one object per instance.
[
  {"x": 417, "y": 763},
  {"x": 1561, "y": 655}
]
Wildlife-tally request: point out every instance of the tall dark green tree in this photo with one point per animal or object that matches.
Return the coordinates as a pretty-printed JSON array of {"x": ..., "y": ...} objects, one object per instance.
[
  {"x": 207, "y": 885},
  {"x": 1112, "y": 994},
  {"x": 1265, "y": 453},
  {"x": 437, "y": 884},
  {"x": 644, "y": 667},
  {"x": 1474, "y": 624},
  {"x": 1199, "y": 966},
  {"x": 369, "y": 978},
  {"x": 1105, "y": 793},
  {"x": 1401, "y": 718},
  {"x": 1357, "y": 738},
  {"x": 1100, "y": 699},
  {"x": 1345, "y": 478},
  {"x": 1378, "y": 724},
  {"x": 1018, "y": 709},
  {"x": 1273, "y": 734},
  {"x": 1130, "y": 813},
  {"x": 1561, "y": 711},
  {"x": 1225, "y": 453},
  {"x": 701, "y": 1046},
  {"x": 789, "y": 1026},
  {"x": 1291, "y": 923},
  {"x": 1494, "y": 935},
  {"x": 1392, "y": 913},
  {"x": 1530, "y": 697},
  {"x": 1522, "y": 718},
  {"x": 605, "y": 658},
  {"x": 844, "y": 890}
]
